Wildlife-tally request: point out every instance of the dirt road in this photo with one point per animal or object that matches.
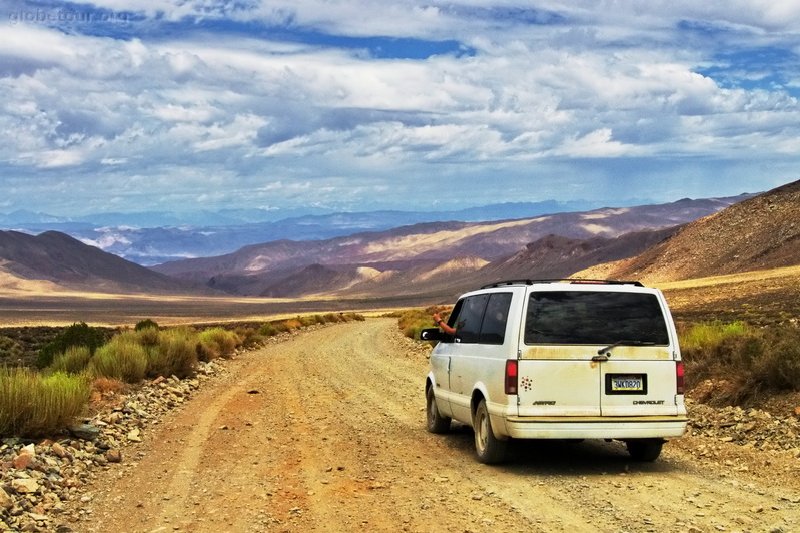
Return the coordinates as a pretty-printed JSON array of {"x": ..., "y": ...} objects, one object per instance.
[{"x": 326, "y": 432}]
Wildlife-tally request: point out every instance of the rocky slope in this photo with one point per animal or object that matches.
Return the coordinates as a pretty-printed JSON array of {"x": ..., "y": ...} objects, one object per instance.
[{"x": 757, "y": 234}]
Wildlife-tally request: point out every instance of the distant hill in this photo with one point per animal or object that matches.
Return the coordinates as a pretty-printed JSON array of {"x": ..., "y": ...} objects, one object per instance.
[
  {"x": 66, "y": 262},
  {"x": 760, "y": 233},
  {"x": 405, "y": 255}
]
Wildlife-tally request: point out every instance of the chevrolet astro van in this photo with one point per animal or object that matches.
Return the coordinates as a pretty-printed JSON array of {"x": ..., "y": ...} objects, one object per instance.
[{"x": 564, "y": 359}]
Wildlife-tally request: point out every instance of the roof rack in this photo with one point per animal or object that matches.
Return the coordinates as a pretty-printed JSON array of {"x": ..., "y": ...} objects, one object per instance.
[{"x": 576, "y": 281}]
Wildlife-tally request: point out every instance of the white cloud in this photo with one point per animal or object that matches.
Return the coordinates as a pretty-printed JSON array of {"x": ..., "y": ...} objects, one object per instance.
[{"x": 570, "y": 81}]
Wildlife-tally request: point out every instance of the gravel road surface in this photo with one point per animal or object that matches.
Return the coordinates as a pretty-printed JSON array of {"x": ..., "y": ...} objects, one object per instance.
[{"x": 326, "y": 432}]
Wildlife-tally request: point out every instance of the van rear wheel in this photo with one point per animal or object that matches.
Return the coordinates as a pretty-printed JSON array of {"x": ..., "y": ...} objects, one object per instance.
[
  {"x": 644, "y": 449},
  {"x": 490, "y": 449},
  {"x": 436, "y": 422}
]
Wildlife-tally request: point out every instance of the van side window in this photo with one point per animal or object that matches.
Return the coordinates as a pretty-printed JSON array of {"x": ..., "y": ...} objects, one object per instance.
[
  {"x": 468, "y": 323},
  {"x": 493, "y": 329}
]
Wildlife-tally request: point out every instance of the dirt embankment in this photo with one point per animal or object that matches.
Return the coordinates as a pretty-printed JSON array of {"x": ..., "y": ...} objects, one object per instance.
[{"x": 326, "y": 432}]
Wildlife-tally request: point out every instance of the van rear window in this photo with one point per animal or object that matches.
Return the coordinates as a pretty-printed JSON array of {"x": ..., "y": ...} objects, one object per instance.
[{"x": 581, "y": 317}]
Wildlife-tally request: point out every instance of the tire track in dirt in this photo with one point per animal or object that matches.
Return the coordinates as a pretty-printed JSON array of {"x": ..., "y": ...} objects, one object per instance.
[{"x": 187, "y": 463}]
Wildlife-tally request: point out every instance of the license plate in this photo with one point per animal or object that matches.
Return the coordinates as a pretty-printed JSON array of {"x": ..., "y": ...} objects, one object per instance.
[{"x": 627, "y": 384}]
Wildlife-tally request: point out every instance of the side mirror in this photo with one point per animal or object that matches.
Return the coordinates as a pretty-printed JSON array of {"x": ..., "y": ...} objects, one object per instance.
[{"x": 431, "y": 334}]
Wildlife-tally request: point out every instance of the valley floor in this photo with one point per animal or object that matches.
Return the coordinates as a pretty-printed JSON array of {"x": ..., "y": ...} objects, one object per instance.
[{"x": 760, "y": 297}]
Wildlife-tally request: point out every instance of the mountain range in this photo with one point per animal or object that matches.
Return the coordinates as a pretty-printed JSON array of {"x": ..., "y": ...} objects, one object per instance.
[
  {"x": 439, "y": 259},
  {"x": 152, "y": 237},
  {"x": 431, "y": 256}
]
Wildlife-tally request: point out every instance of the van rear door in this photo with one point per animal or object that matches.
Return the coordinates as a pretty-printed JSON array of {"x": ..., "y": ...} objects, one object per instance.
[{"x": 595, "y": 351}]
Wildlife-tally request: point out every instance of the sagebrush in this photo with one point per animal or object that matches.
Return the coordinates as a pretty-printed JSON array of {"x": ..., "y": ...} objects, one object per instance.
[{"x": 33, "y": 404}]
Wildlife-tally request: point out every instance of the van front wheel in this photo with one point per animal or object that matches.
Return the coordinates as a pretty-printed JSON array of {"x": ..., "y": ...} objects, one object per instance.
[
  {"x": 644, "y": 449},
  {"x": 490, "y": 449}
]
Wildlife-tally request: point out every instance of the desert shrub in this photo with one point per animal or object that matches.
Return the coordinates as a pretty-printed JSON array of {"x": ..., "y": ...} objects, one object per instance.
[
  {"x": 33, "y": 405},
  {"x": 78, "y": 334},
  {"x": 147, "y": 337},
  {"x": 307, "y": 320},
  {"x": 331, "y": 318},
  {"x": 706, "y": 334},
  {"x": 752, "y": 361},
  {"x": 103, "y": 385},
  {"x": 778, "y": 366},
  {"x": 73, "y": 361},
  {"x": 122, "y": 358},
  {"x": 216, "y": 342},
  {"x": 174, "y": 354},
  {"x": 353, "y": 317},
  {"x": 9, "y": 349},
  {"x": 292, "y": 324},
  {"x": 249, "y": 337},
  {"x": 145, "y": 324},
  {"x": 268, "y": 329}
]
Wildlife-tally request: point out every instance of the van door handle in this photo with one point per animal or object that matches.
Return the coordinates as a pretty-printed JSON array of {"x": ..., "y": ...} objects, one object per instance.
[{"x": 600, "y": 358}]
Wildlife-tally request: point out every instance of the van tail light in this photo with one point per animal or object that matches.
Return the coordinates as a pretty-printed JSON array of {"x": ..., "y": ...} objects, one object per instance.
[
  {"x": 679, "y": 376},
  {"x": 512, "y": 376}
]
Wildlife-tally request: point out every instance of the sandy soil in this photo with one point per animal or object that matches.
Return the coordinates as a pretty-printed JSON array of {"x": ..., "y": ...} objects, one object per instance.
[{"x": 326, "y": 432}]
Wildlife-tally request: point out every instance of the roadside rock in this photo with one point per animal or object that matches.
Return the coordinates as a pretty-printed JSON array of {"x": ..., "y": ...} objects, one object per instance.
[{"x": 753, "y": 428}]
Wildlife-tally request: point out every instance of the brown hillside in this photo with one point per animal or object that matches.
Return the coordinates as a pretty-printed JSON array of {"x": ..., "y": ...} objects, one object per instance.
[
  {"x": 555, "y": 256},
  {"x": 61, "y": 260},
  {"x": 757, "y": 234}
]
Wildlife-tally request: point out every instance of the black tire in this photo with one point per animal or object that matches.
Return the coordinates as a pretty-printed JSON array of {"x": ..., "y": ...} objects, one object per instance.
[
  {"x": 488, "y": 448},
  {"x": 646, "y": 450},
  {"x": 436, "y": 422}
]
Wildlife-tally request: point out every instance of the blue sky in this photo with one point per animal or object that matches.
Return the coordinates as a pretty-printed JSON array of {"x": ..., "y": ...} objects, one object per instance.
[{"x": 184, "y": 105}]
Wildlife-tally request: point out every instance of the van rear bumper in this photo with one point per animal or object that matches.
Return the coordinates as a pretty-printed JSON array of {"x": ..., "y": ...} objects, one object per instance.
[{"x": 640, "y": 427}]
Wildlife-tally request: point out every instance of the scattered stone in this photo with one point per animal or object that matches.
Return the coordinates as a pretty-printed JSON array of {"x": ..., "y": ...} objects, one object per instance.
[
  {"x": 254, "y": 391},
  {"x": 23, "y": 460},
  {"x": 24, "y": 485},
  {"x": 84, "y": 431},
  {"x": 6, "y": 502},
  {"x": 59, "y": 450},
  {"x": 133, "y": 435},
  {"x": 114, "y": 456}
]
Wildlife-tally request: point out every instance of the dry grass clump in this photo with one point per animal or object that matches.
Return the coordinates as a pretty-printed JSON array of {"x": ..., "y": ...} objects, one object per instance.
[
  {"x": 32, "y": 404},
  {"x": 217, "y": 342},
  {"x": 753, "y": 362},
  {"x": 107, "y": 386},
  {"x": 123, "y": 358},
  {"x": 73, "y": 361},
  {"x": 175, "y": 353},
  {"x": 292, "y": 324}
]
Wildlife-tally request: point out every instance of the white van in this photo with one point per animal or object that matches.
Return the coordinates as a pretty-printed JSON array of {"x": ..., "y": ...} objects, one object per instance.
[{"x": 565, "y": 359}]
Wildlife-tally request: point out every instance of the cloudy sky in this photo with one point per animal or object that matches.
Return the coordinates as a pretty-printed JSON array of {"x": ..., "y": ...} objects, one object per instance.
[{"x": 115, "y": 105}]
